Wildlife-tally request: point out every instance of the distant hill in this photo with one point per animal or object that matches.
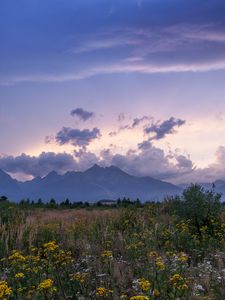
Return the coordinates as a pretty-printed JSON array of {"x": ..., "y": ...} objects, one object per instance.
[{"x": 94, "y": 184}]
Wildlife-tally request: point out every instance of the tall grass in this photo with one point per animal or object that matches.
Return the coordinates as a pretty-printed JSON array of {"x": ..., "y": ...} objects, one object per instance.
[{"x": 128, "y": 253}]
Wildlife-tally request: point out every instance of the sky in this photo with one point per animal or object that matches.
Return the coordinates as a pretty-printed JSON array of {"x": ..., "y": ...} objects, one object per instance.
[{"x": 138, "y": 84}]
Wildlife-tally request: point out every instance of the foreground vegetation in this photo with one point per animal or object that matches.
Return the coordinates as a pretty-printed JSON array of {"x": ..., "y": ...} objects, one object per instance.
[{"x": 170, "y": 250}]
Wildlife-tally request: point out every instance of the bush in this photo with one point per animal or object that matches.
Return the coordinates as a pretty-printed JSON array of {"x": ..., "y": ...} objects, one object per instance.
[{"x": 201, "y": 207}]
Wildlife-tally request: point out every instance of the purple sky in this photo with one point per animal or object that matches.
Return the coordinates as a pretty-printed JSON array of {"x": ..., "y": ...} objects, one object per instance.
[{"x": 138, "y": 84}]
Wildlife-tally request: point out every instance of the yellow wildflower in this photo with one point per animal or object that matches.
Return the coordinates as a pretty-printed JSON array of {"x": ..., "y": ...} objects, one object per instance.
[
  {"x": 79, "y": 276},
  {"x": 144, "y": 284},
  {"x": 182, "y": 287},
  {"x": 153, "y": 254},
  {"x": 51, "y": 246},
  {"x": 179, "y": 282},
  {"x": 182, "y": 257},
  {"x": 102, "y": 292},
  {"x": 140, "y": 298},
  {"x": 5, "y": 290},
  {"x": 19, "y": 275},
  {"x": 16, "y": 256},
  {"x": 175, "y": 279},
  {"x": 107, "y": 254},
  {"x": 45, "y": 284},
  {"x": 159, "y": 263}
]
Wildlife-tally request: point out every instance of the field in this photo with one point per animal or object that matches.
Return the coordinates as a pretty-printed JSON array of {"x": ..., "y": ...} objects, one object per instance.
[{"x": 152, "y": 251}]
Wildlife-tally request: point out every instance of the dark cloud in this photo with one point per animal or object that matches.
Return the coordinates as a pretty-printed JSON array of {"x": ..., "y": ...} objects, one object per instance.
[
  {"x": 82, "y": 114},
  {"x": 77, "y": 137},
  {"x": 38, "y": 165},
  {"x": 189, "y": 37},
  {"x": 184, "y": 162},
  {"x": 49, "y": 139},
  {"x": 136, "y": 122},
  {"x": 160, "y": 130},
  {"x": 144, "y": 145}
]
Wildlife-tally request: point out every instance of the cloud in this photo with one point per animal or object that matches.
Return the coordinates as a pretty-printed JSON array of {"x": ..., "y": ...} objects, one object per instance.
[
  {"x": 184, "y": 162},
  {"x": 148, "y": 160},
  {"x": 82, "y": 114},
  {"x": 144, "y": 160},
  {"x": 38, "y": 165},
  {"x": 140, "y": 48},
  {"x": 214, "y": 171},
  {"x": 77, "y": 137},
  {"x": 121, "y": 128},
  {"x": 121, "y": 67},
  {"x": 160, "y": 130},
  {"x": 106, "y": 40},
  {"x": 135, "y": 123},
  {"x": 145, "y": 40},
  {"x": 86, "y": 159}
]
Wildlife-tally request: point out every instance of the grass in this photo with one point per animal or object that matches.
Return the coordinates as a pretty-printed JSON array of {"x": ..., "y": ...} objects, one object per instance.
[{"x": 146, "y": 252}]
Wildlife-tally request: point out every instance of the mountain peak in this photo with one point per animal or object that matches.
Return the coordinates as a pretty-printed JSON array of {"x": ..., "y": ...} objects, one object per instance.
[
  {"x": 94, "y": 168},
  {"x": 52, "y": 174},
  {"x": 4, "y": 175}
]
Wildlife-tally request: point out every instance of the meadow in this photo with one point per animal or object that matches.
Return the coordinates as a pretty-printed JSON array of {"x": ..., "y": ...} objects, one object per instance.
[{"x": 170, "y": 250}]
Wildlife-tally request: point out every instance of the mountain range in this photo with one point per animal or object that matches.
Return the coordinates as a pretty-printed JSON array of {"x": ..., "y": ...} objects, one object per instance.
[{"x": 96, "y": 183}]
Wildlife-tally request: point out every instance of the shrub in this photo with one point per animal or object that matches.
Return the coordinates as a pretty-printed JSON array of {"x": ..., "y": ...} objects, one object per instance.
[{"x": 201, "y": 207}]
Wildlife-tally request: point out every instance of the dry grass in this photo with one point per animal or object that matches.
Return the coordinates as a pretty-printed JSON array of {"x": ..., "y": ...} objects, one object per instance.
[
  {"x": 121, "y": 253},
  {"x": 45, "y": 216}
]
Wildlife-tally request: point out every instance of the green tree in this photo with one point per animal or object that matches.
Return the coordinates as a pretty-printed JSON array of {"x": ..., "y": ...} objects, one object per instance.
[{"x": 199, "y": 206}]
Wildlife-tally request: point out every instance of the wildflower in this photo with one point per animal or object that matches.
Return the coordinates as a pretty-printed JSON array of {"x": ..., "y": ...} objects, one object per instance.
[
  {"x": 45, "y": 284},
  {"x": 179, "y": 282},
  {"x": 101, "y": 291},
  {"x": 140, "y": 298},
  {"x": 175, "y": 279},
  {"x": 199, "y": 287},
  {"x": 160, "y": 264},
  {"x": 107, "y": 254},
  {"x": 51, "y": 246},
  {"x": 34, "y": 249},
  {"x": 19, "y": 275},
  {"x": 183, "y": 287},
  {"x": 144, "y": 284},
  {"x": 182, "y": 257},
  {"x": 16, "y": 257},
  {"x": 153, "y": 254},
  {"x": 80, "y": 277},
  {"x": 5, "y": 290}
]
